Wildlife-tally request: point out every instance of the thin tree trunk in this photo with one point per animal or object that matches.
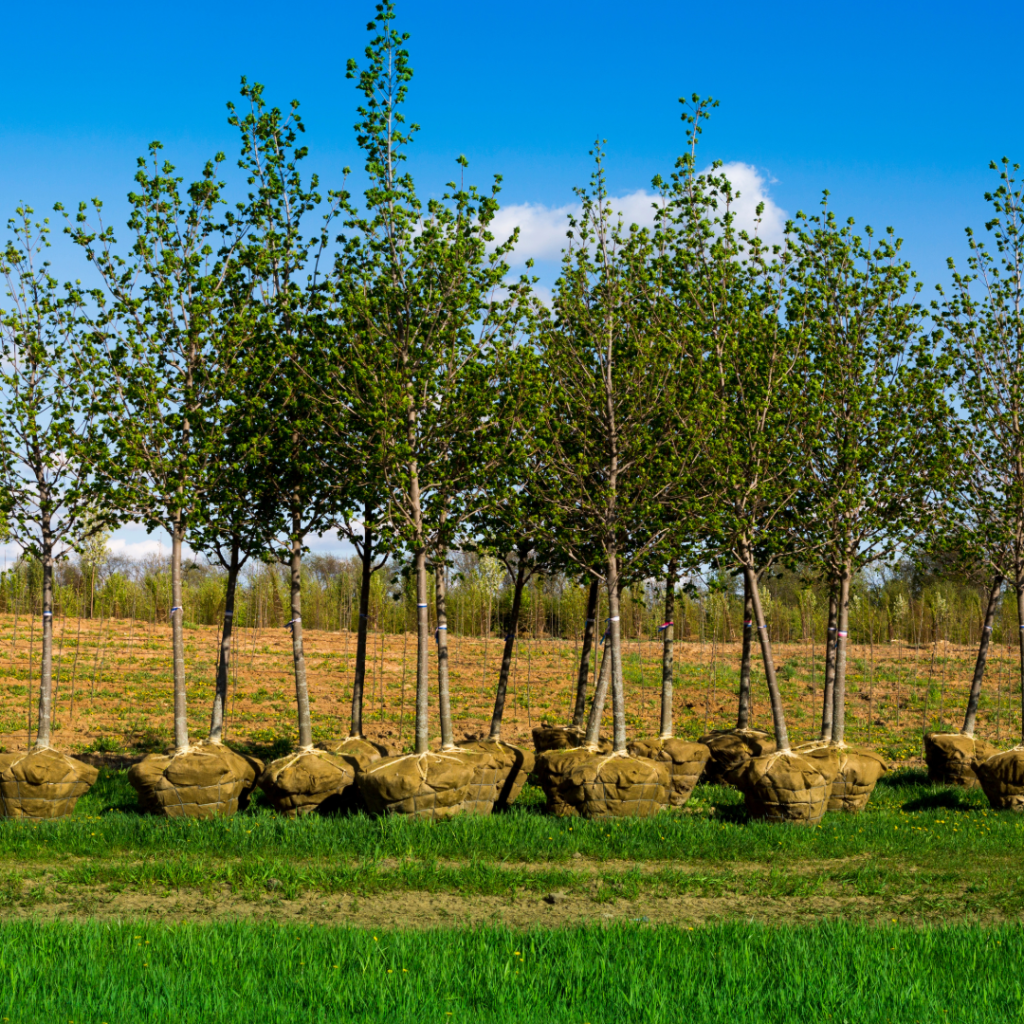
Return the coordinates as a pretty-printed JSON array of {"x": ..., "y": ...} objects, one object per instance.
[
  {"x": 422, "y": 654},
  {"x": 178, "y": 638},
  {"x": 1020, "y": 634},
  {"x": 600, "y": 693},
  {"x": 220, "y": 698},
  {"x": 668, "y": 628},
  {"x": 583, "y": 677},
  {"x": 979, "y": 666},
  {"x": 615, "y": 640},
  {"x": 743, "y": 713},
  {"x": 298, "y": 654},
  {"x": 506, "y": 654},
  {"x": 46, "y": 659},
  {"x": 778, "y": 715},
  {"x": 830, "y": 666},
  {"x": 444, "y": 705},
  {"x": 358, "y": 681},
  {"x": 842, "y": 635}
]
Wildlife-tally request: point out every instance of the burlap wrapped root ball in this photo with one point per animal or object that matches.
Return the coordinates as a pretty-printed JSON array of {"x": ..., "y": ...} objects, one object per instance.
[
  {"x": 730, "y": 750},
  {"x": 430, "y": 785},
  {"x": 42, "y": 783},
  {"x": 789, "y": 786},
  {"x": 514, "y": 767},
  {"x": 1002, "y": 778},
  {"x": 950, "y": 757},
  {"x": 248, "y": 768},
  {"x": 619, "y": 786},
  {"x": 858, "y": 771},
  {"x": 307, "y": 781},
  {"x": 201, "y": 781},
  {"x": 553, "y": 768},
  {"x": 564, "y": 737},
  {"x": 685, "y": 762}
]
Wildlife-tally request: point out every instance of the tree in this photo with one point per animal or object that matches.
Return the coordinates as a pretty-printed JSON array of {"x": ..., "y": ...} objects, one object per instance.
[
  {"x": 52, "y": 417},
  {"x": 428, "y": 339},
  {"x": 985, "y": 345},
  {"x": 610, "y": 357},
  {"x": 170, "y": 366},
  {"x": 879, "y": 415}
]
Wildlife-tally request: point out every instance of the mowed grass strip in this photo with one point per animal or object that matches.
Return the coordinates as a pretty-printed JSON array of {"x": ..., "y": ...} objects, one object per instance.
[
  {"x": 135, "y": 973},
  {"x": 907, "y": 820}
]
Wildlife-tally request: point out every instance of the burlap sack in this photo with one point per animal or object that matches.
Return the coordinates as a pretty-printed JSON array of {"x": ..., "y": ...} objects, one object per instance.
[
  {"x": 949, "y": 756},
  {"x": 859, "y": 771},
  {"x": 199, "y": 782},
  {"x": 247, "y": 767},
  {"x": 1002, "y": 778},
  {"x": 514, "y": 764},
  {"x": 789, "y": 785},
  {"x": 619, "y": 786},
  {"x": 307, "y": 781},
  {"x": 731, "y": 749},
  {"x": 685, "y": 762},
  {"x": 552, "y": 769},
  {"x": 42, "y": 783},
  {"x": 564, "y": 737},
  {"x": 429, "y": 785}
]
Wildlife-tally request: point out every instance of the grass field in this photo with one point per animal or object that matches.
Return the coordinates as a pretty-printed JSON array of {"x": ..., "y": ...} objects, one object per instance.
[{"x": 187, "y": 974}]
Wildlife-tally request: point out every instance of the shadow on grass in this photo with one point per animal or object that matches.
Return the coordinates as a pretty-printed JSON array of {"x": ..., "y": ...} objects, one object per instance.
[{"x": 942, "y": 800}]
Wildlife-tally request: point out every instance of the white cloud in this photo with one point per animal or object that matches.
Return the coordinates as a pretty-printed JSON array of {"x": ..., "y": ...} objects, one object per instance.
[
  {"x": 542, "y": 228},
  {"x": 137, "y": 549}
]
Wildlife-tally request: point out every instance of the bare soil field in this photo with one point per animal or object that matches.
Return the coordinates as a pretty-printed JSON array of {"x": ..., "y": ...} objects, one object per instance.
[{"x": 113, "y": 686}]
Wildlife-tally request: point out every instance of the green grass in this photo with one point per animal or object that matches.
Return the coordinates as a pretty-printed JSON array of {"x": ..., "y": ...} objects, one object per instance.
[
  {"x": 267, "y": 974},
  {"x": 907, "y": 818}
]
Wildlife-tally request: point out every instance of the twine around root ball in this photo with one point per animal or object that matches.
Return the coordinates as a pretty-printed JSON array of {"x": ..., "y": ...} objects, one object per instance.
[
  {"x": 789, "y": 786},
  {"x": 427, "y": 785},
  {"x": 197, "y": 782},
  {"x": 307, "y": 781}
]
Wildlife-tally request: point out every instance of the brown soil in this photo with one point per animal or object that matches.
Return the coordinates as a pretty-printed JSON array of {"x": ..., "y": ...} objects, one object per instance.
[
  {"x": 113, "y": 687},
  {"x": 430, "y": 910}
]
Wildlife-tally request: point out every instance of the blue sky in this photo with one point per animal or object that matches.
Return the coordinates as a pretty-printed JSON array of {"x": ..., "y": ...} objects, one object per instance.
[{"x": 896, "y": 108}]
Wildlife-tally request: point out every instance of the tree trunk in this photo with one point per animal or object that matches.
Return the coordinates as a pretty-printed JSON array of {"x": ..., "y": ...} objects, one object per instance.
[
  {"x": 589, "y": 632},
  {"x": 615, "y": 641},
  {"x": 178, "y": 638},
  {"x": 830, "y": 666},
  {"x": 506, "y": 655},
  {"x": 979, "y": 666},
  {"x": 444, "y": 705},
  {"x": 220, "y": 697},
  {"x": 743, "y": 714},
  {"x": 298, "y": 655},
  {"x": 842, "y": 634},
  {"x": 1020, "y": 633},
  {"x": 46, "y": 666},
  {"x": 600, "y": 693},
  {"x": 364, "y": 624},
  {"x": 668, "y": 628},
  {"x": 778, "y": 715},
  {"x": 422, "y": 654}
]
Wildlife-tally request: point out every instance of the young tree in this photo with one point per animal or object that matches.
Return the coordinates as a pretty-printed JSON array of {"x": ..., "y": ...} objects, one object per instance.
[
  {"x": 880, "y": 415},
  {"x": 985, "y": 346},
  {"x": 606, "y": 478},
  {"x": 173, "y": 371},
  {"x": 758, "y": 385},
  {"x": 52, "y": 415}
]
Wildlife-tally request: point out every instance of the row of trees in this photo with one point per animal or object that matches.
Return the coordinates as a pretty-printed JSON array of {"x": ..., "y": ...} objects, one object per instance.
[{"x": 260, "y": 359}]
